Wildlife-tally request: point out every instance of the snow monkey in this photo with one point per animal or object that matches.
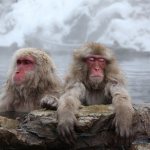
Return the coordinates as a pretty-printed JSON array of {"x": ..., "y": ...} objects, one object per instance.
[
  {"x": 94, "y": 78},
  {"x": 32, "y": 82}
]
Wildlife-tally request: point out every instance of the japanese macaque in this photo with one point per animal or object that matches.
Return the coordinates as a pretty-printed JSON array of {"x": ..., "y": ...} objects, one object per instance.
[
  {"x": 94, "y": 78},
  {"x": 32, "y": 82}
]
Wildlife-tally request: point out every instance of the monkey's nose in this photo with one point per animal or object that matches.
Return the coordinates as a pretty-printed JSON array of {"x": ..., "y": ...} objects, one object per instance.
[
  {"x": 17, "y": 72},
  {"x": 97, "y": 68}
]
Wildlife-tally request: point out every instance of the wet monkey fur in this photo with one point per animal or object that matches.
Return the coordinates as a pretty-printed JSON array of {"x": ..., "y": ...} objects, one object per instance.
[
  {"x": 32, "y": 82},
  {"x": 94, "y": 78}
]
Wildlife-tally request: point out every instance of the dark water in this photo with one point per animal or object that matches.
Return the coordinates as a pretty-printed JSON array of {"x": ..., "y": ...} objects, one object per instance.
[
  {"x": 138, "y": 76},
  {"x": 137, "y": 72}
]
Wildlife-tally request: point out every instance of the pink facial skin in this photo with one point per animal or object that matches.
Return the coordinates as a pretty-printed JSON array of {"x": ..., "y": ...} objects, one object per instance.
[
  {"x": 23, "y": 66},
  {"x": 96, "y": 65}
]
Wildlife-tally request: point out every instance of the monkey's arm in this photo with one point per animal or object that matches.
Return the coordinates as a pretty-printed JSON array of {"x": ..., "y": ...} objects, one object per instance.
[
  {"x": 49, "y": 101},
  {"x": 5, "y": 102},
  {"x": 68, "y": 105},
  {"x": 123, "y": 109},
  {"x": 3, "y": 105}
]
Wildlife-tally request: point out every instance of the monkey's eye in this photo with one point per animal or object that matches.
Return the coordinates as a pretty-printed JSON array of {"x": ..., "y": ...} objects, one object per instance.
[
  {"x": 26, "y": 62},
  {"x": 91, "y": 59},
  {"x": 101, "y": 60},
  {"x": 18, "y": 62}
]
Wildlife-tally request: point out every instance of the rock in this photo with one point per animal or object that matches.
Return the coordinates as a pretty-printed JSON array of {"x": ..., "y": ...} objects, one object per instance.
[{"x": 38, "y": 130}]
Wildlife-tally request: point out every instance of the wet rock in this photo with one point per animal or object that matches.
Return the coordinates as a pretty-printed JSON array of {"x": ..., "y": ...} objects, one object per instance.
[{"x": 38, "y": 129}]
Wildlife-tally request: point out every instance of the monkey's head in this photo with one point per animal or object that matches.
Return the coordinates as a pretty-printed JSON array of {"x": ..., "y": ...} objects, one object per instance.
[
  {"x": 30, "y": 66},
  {"x": 91, "y": 64}
]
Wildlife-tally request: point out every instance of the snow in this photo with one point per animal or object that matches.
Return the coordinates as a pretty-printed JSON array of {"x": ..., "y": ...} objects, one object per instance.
[{"x": 126, "y": 22}]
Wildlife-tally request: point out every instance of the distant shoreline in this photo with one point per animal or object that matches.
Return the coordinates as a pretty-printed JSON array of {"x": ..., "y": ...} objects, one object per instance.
[{"x": 123, "y": 54}]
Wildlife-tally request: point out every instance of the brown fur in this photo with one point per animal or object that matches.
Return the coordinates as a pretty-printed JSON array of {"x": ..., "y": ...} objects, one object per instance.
[
  {"x": 40, "y": 83},
  {"x": 79, "y": 90}
]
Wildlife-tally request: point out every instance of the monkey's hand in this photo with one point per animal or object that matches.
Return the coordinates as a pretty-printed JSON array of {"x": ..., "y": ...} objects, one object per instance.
[
  {"x": 123, "y": 120},
  {"x": 49, "y": 102},
  {"x": 66, "y": 123}
]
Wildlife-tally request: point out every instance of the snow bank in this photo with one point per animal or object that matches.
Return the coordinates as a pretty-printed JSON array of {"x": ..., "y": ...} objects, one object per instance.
[{"x": 125, "y": 22}]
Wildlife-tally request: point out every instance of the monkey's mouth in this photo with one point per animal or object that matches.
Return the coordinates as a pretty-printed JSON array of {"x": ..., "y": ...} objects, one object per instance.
[
  {"x": 96, "y": 76},
  {"x": 96, "y": 79}
]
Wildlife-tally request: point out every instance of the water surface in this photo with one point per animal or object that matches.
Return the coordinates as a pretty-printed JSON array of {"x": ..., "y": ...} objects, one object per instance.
[{"x": 137, "y": 72}]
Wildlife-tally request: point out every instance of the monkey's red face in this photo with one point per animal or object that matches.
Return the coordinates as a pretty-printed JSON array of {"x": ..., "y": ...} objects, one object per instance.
[
  {"x": 96, "y": 65},
  {"x": 24, "y": 65}
]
